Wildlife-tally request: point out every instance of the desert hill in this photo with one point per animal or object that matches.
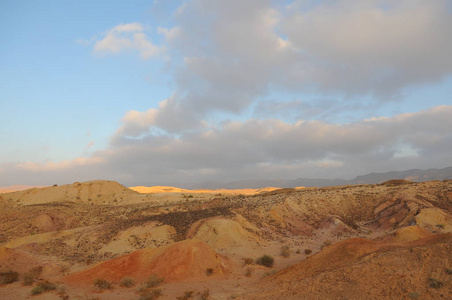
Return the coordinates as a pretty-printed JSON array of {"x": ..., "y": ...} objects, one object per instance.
[
  {"x": 170, "y": 189},
  {"x": 385, "y": 241},
  {"x": 97, "y": 191}
]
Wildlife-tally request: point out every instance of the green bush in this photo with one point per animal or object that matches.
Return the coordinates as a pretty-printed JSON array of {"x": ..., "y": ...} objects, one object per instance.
[
  {"x": 266, "y": 261},
  {"x": 9, "y": 277}
]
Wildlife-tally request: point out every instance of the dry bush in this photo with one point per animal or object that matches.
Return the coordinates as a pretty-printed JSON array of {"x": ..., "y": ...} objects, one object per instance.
[
  {"x": 285, "y": 251},
  {"x": 127, "y": 282},
  {"x": 103, "y": 284},
  {"x": 43, "y": 287},
  {"x": 187, "y": 295},
  {"x": 30, "y": 277},
  {"x": 205, "y": 295},
  {"x": 249, "y": 272},
  {"x": 247, "y": 261},
  {"x": 152, "y": 294},
  {"x": 9, "y": 277},
  {"x": 266, "y": 261},
  {"x": 307, "y": 251},
  {"x": 435, "y": 283},
  {"x": 153, "y": 281}
]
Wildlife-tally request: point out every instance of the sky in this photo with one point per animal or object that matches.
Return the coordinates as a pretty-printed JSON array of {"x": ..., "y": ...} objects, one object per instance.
[{"x": 164, "y": 92}]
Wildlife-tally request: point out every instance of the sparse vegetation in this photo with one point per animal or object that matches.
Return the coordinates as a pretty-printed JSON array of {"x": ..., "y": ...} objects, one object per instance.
[
  {"x": 326, "y": 244},
  {"x": 43, "y": 287},
  {"x": 103, "y": 284},
  {"x": 285, "y": 251},
  {"x": 440, "y": 226},
  {"x": 205, "y": 295},
  {"x": 435, "y": 283},
  {"x": 307, "y": 251},
  {"x": 150, "y": 294},
  {"x": 247, "y": 261},
  {"x": 209, "y": 272},
  {"x": 249, "y": 272},
  {"x": 127, "y": 282},
  {"x": 448, "y": 271},
  {"x": 413, "y": 295},
  {"x": 187, "y": 295},
  {"x": 153, "y": 281},
  {"x": 30, "y": 277},
  {"x": 9, "y": 277},
  {"x": 266, "y": 261}
]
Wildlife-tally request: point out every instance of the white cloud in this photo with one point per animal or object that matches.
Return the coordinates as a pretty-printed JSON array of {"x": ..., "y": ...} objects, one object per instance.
[{"x": 127, "y": 37}]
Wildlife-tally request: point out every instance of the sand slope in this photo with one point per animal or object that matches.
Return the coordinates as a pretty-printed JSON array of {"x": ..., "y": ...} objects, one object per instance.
[
  {"x": 186, "y": 260},
  {"x": 360, "y": 268}
]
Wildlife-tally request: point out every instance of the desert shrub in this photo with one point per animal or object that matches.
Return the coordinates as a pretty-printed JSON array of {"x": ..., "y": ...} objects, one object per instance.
[
  {"x": 209, "y": 272},
  {"x": 307, "y": 251},
  {"x": 43, "y": 287},
  {"x": 187, "y": 295},
  {"x": 205, "y": 295},
  {"x": 435, "y": 283},
  {"x": 37, "y": 290},
  {"x": 249, "y": 272},
  {"x": 103, "y": 284},
  {"x": 265, "y": 260},
  {"x": 153, "y": 281},
  {"x": 298, "y": 251},
  {"x": 127, "y": 282},
  {"x": 325, "y": 244},
  {"x": 247, "y": 261},
  {"x": 9, "y": 277},
  {"x": 150, "y": 294},
  {"x": 30, "y": 277},
  {"x": 448, "y": 271},
  {"x": 413, "y": 295},
  {"x": 285, "y": 251}
]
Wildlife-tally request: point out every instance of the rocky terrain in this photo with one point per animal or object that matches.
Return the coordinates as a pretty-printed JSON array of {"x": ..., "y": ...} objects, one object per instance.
[{"x": 101, "y": 240}]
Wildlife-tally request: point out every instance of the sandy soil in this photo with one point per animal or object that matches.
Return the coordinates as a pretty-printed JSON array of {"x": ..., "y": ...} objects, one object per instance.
[{"x": 390, "y": 241}]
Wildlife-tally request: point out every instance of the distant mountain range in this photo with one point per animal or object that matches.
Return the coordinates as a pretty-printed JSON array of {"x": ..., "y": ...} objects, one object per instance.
[{"x": 416, "y": 175}]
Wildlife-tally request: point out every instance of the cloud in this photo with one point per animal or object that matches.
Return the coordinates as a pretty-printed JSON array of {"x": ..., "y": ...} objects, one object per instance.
[
  {"x": 263, "y": 149},
  {"x": 374, "y": 46},
  {"x": 232, "y": 59},
  {"x": 126, "y": 37},
  {"x": 340, "y": 51}
]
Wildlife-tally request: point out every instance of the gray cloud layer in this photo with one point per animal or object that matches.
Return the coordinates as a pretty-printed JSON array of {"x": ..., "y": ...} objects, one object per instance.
[{"x": 264, "y": 149}]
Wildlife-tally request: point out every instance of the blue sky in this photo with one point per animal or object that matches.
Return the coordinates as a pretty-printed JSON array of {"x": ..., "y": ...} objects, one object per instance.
[{"x": 161, "y": 92}]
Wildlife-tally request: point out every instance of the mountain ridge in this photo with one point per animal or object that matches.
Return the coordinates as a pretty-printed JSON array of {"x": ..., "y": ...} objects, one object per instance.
[{"x": 416, "y": 175}]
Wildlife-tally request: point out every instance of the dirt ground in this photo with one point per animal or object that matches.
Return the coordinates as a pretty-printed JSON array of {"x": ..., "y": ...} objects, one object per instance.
[{"x": 389, "y": 241}]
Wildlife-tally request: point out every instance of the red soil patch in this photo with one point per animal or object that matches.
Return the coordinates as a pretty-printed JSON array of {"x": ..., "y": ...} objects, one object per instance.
[{"x": 186, "y": 260}]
